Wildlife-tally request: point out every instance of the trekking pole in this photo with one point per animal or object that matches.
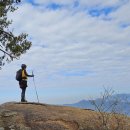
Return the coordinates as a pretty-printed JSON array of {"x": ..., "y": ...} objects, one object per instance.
[{"x": 35, "y": 88}]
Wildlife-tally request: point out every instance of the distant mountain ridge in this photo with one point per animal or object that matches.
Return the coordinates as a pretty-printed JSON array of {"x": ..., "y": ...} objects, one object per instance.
[{"x": 123, "y": 105}]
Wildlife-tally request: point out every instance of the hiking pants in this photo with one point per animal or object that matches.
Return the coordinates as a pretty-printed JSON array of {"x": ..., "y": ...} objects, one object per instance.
[{"x": 23, "y": 94}]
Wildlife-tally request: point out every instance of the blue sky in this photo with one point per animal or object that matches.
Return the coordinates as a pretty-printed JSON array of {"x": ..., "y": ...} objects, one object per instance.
[{"x": 78, "y": 47}]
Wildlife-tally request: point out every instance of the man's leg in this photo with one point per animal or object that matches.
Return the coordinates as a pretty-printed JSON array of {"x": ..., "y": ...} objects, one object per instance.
[{"x": 23, "y": 94}]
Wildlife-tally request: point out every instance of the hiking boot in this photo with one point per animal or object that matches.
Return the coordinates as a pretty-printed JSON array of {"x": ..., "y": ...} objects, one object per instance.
[{"x": 23, "y": 100}]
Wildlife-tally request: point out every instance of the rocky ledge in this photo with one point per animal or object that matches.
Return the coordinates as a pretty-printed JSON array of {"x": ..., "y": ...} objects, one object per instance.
[{"x": 36, "y": 116}]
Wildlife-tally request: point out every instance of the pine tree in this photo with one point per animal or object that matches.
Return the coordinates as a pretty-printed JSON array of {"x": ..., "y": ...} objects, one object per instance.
[{"x": 11, "y": 46}]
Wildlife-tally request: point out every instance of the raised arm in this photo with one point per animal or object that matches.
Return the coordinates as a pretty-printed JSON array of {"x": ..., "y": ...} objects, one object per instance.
[{"x": 28, "y": 74}]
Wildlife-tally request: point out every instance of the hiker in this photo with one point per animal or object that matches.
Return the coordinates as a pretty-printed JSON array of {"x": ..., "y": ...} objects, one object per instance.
[{"x": 23, "y": 82}]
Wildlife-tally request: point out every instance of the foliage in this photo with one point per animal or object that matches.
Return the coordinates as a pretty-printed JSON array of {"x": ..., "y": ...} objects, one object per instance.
[{"x": 11, "y": 46}]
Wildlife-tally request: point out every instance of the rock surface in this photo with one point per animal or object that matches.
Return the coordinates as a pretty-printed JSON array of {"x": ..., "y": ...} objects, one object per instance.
[{"x": 34, "y": 116}]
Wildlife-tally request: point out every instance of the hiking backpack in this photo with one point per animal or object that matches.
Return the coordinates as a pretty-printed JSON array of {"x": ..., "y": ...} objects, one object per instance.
[{"x": 19, "y": 75}]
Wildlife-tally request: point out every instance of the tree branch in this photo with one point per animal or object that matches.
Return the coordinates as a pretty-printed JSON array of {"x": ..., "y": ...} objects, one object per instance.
[
  {"x": 8, "y": 53},
  {"x": 5, "y": 52},
  {"x": 7, "y": 33}
]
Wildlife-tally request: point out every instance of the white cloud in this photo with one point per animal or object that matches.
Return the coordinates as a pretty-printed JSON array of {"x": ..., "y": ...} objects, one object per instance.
[
  {"x": 54, "y": 1},
  {"x": 102, "y": 3},
  {"x": 72, "y": 39},
  {"x": 121, "y": 15},
  {"x": 87, "y": 3}
]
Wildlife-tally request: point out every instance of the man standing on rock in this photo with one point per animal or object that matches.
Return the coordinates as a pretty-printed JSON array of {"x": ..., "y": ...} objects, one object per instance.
[{"x": 23, "y": 82}]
